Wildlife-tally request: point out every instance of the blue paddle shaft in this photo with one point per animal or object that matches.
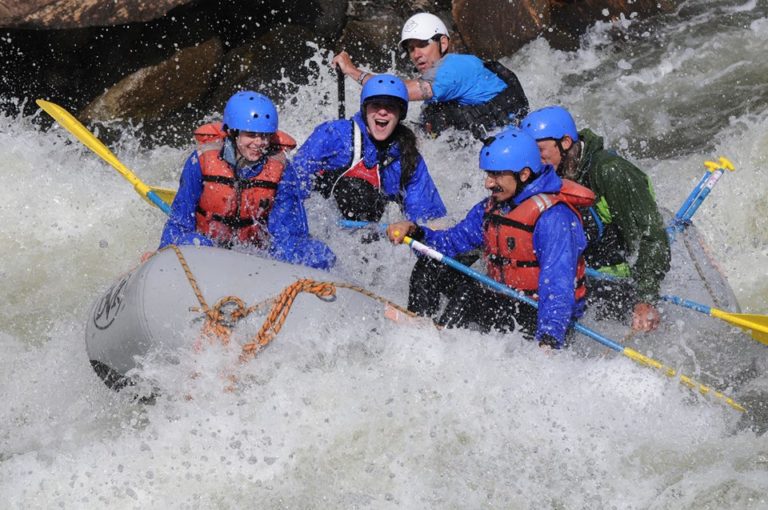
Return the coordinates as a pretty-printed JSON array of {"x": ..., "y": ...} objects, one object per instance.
[
  {"x": 503, "y": 289},
  {"x": 158, "y": 202}
]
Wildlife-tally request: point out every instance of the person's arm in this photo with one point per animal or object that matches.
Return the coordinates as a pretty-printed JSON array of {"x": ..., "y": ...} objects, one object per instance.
[
  {"x": 289, "y": 231},
  {"x": 422, "y": 200},
  {"x": 466, "y": 235},
  {"x": 180, "y": 228},
  {"x": 419, "y": 89},
  {"x": 343, "y": 62},
  {"x": 634, "y": 211},
  {"x": 559, "y": 240}
]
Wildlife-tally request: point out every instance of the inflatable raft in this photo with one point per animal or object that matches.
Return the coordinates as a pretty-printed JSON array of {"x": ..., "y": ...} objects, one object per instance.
[{"x": 165, "y": 303}]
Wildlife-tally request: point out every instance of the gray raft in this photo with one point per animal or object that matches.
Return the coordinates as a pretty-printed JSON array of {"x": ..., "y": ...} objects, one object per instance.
[{"x": 149, "y": 308}]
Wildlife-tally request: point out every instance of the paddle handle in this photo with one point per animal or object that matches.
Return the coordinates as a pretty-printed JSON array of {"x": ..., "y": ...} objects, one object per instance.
[
  {"x": 152, "y": 196},
  {"x": 341, "y": 93}
]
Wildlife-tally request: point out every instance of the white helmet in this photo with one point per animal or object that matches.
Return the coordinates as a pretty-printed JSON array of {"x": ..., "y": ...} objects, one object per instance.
[{"x": 423, "y": 26}]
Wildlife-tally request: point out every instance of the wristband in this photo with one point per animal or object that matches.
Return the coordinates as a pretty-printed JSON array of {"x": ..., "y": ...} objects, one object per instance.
[{"x": 362, "y": 77}]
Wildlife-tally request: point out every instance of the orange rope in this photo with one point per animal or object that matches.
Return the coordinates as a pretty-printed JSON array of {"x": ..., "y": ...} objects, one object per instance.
[
  {"x": 276, "y": 318},
  {"x": 219, "y": 322}
]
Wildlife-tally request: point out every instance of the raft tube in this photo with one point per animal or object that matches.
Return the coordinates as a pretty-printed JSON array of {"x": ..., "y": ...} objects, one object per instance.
[{"x": 153, "y": 307}]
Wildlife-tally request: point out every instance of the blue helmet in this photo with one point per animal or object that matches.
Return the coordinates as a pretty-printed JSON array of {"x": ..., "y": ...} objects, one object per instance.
[
  {"x": 551, "y": 122},
  {"x": 385, "y": 85},
  {"x": 250, "y": 111},
  {"x": 512, "y": 150}
]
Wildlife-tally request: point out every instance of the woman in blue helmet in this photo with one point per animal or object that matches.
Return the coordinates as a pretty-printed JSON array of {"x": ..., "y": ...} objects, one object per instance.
[
  {"x": 532, "y": 238},
  {"x": 237, "y": 189},
  {"x": 371, "y": 159}
]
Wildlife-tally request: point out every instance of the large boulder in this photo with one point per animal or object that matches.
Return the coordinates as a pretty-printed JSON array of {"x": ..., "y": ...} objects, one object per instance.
[
  {"x": 159, "y": 90},
  {"x": 264, "y": 63},
  {"x": 571, "y": 19},
  {"x": 492, "y": 29},
  {"x": 81, "y": 13},
  {"x": 498, "y": 28}
]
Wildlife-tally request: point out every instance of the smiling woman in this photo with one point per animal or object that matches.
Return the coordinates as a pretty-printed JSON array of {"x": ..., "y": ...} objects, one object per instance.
[{"x": 371, "y": 159}]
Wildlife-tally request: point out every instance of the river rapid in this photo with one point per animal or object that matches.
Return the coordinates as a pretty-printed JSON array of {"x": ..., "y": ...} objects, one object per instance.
[{"x": 405, "y": 416}]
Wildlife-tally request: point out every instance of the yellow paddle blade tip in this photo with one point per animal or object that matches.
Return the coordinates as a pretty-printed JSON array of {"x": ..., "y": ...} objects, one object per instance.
[{"x": 722, "y": 163}]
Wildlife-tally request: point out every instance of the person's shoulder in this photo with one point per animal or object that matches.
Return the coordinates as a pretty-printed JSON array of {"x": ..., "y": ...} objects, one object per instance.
[
  {"x": 334, "y": 125},
  {"x": 465, "y": 58}
]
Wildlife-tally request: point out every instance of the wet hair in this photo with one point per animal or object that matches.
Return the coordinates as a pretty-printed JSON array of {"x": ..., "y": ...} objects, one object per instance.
[
  {"x": 409, "y": 153},
  {"x": 569, "y": 164}
]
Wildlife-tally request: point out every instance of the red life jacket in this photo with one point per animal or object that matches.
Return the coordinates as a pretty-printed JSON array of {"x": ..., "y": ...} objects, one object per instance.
[
  {"x": 358, "y": 170},
  {"x": 509, "y": 253},
  {"x": 232, "y": 209}
]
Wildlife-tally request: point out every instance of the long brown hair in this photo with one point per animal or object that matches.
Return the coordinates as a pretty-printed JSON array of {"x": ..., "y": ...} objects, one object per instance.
[{"x": 409, "y": 154}]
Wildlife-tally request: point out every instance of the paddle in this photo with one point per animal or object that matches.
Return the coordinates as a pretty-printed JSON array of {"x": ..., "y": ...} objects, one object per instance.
[
  {"x": 70, "y": 123},
  {"x": 508, "y": 291},
  {"x": 756, "y": 325},
  {"x": 341, "y": 93},
  {"x": 682, "y": 218}
]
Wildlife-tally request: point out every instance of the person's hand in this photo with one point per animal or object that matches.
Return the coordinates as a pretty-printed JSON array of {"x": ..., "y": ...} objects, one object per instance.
[
  {"x": 645, "y": 317},
  {"x": 344, "y": 62},
  {"x": 397, "y": 231}
]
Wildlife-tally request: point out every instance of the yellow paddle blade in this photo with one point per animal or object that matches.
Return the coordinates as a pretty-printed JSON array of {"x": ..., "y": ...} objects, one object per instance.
[
  {"x": 71, "y": 124},
  {"x": 166, "y": 195},
  {"x": 757, "y": 325}
]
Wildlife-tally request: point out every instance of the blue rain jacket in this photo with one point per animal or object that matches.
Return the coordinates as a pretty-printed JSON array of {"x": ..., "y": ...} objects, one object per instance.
[
  {"x": 287, "y": 223},
  {"x": 558, "y": 239},
  {"x": 330, "y": 147}
]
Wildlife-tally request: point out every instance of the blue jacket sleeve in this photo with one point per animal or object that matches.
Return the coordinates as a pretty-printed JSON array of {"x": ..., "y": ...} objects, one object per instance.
[
  {"x": 180, "y": 227},
  {"x": 328, "y": 147},
  {"x": 558, "y": 240},
  {"x": 289, "y": 230},
  {"x": 422, "y": 201},
  {"x": 466, "y": 235}
]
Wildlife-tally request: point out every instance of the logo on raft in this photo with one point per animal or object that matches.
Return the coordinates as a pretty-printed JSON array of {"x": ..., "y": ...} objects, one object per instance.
[{"x": 105, "y": 312}]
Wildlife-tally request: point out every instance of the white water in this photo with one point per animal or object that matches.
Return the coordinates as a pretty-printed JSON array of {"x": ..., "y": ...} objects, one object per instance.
[{"x": 403, "y": 416}]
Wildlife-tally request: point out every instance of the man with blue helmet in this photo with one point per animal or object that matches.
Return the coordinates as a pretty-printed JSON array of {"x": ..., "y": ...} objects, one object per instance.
[
  {"x": 371, "y": 159},
  {"x": 236, "y": 189},
  {"x": 530, "y": 231},
  {"x": 625, "y": 224},
  {"x": 460, "y": 91}
]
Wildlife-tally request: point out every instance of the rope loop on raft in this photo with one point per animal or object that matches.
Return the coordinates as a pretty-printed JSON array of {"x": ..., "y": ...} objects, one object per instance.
[{"x": 224, "y": 315}]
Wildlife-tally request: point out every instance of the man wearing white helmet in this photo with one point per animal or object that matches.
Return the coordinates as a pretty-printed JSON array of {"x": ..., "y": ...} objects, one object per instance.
[{"x": 460, "y": 91}]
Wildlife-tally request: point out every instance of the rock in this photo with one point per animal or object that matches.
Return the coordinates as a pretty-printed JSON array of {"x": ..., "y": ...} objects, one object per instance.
[
  {"x": 262, "y": 64},
  {"x": 159, "y": 90},
  {"x": 492, "y": 29},
  {"x": 81, "y": 13},
  {"x": 571, "y": 19}
]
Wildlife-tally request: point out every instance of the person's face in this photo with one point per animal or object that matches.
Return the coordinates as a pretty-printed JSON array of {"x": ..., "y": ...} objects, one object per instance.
[
  {"x": 424, "y": 54},
  {"x": 381, "y": 117},
  {"x": 550, "y": 152},
  {"x": 252, "y": 145},
  {"x": 502, "y": 185}
]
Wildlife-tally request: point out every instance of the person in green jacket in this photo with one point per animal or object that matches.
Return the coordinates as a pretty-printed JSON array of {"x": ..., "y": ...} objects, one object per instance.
[{"x": 625, "y": 230}]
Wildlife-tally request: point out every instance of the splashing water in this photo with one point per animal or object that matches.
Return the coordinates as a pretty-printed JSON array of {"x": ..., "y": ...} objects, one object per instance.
[{"x": 401, "y": 416}]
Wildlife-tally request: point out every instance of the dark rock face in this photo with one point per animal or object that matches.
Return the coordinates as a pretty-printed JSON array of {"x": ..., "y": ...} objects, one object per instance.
[
  {"x": 173, "y": 61},
  {"x": 44, "y": 14},
  {"x": 496, "y": 28}
]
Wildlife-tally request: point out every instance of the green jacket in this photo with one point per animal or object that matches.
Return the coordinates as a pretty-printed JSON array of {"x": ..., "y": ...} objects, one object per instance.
[{"x": 627, "y": 206}]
